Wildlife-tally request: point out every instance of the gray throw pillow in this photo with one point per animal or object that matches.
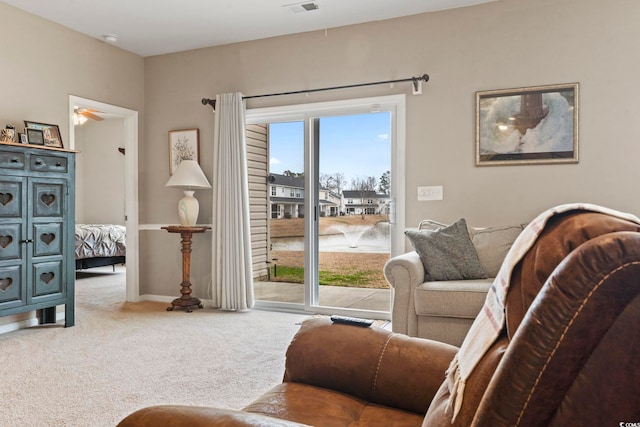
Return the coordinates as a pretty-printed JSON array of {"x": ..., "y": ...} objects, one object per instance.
[{"x": 447, "y": 253}]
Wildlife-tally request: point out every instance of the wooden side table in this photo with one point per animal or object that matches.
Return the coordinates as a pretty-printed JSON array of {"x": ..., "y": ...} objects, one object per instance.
[{"x": 186, "y": 233}]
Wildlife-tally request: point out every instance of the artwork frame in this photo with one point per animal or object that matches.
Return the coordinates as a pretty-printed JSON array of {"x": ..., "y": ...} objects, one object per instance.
[
  {"x": 184, "y": 144},
  {"x": 527, "y": 125},
  {"x": 51, "y": 133},
  {"x": 34, "y": 136}
]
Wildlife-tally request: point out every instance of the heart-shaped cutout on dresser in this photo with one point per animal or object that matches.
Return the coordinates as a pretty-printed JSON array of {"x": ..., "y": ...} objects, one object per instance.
[
  {"x": 5, "y": 283},
  {"x": 5, "y": 241},
  {"x": 47, "y": 277},
  {"x": 47, "y": 238},
  {"x": 48, "y": 199},
  {"x": 5, "y": 198}
]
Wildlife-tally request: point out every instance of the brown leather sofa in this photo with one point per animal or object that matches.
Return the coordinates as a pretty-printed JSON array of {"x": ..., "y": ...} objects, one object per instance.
[{"x": 568, "y": 355}]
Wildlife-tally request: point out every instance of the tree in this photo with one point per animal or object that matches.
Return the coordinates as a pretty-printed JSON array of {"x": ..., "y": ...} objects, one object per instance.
[
  {"x": 385, "y": 183},
  {"x": 368, "y": 183},
  {"x": 293, "y": 174},
  {"x": 333, "y": 182}
]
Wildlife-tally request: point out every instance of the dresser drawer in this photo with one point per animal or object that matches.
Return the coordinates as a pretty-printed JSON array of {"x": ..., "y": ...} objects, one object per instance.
[
  {"x": 40, "y": 163},
  {"x": 11, "y": 160},
  {"x": 12, "y": 290}
]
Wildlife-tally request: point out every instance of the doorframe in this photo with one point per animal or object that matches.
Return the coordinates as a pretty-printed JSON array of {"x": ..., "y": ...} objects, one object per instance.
[
  {"x": 130, "y": 138},
  {"x": 395, "y": 103}
]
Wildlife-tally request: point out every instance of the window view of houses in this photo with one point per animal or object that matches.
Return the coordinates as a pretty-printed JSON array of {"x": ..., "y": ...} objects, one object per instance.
[{"x": 287, "y": 198}]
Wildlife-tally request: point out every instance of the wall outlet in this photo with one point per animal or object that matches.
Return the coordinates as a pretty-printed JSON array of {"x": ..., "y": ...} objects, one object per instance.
[{"x": 430, "y": 193}]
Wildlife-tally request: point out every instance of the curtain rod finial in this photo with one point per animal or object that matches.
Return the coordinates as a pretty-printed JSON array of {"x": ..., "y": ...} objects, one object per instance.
[{"x": 211, "y": 102}]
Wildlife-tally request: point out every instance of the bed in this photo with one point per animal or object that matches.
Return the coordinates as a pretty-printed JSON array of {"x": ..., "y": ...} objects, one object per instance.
[{"x": 98, "y": 245}]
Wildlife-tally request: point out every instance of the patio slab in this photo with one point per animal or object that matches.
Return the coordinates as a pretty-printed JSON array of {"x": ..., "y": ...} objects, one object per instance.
[{"x": 330, "y": 296}]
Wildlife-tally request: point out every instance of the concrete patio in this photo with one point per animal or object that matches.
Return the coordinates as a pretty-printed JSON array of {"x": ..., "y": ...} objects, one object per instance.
[{"x": 330, "y": 296}]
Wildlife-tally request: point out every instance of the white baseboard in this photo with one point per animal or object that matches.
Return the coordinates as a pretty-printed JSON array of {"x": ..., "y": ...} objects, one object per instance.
[
  {"x": 26, "y": 323},
  {"x": 156, "y": 298}
]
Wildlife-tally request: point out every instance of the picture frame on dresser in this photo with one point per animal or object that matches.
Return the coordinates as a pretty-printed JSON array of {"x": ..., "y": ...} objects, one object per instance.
[
  {"x": 34, "y": 136},
  {"x": 528, "y": 125},
  {"x": 50, "y": 132},
  {"x": 184, "y": 144}
]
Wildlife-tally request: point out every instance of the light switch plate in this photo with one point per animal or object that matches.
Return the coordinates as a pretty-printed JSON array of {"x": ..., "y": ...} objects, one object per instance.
[{"x": 427, "y": 193}]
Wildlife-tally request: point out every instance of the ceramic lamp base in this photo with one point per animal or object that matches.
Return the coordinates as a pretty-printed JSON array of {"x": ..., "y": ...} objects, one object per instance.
[{"x": 188, "y": 208}]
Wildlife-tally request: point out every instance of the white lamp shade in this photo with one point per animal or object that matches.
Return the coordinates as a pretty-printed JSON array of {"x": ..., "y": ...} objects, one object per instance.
[{"x": 188, "y": 175}]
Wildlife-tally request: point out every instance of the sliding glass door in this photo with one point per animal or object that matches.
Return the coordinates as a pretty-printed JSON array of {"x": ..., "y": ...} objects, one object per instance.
[
  {"x": 331, "y": 200},
  {"x": 353, "y": 197}
]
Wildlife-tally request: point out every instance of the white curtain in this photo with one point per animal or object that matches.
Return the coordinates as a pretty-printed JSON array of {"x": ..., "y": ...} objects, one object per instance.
[{"x": 232, "y": 278}]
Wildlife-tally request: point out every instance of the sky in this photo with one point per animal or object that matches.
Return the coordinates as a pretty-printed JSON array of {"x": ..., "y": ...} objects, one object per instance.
[{"x": 357, "y": 146}]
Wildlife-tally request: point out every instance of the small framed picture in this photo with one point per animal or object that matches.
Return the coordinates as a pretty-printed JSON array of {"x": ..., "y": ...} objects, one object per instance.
[
  {"x": 183, "y": 145},
  {"x": 23, "y": 138},
  {"x": 35, "y": 136},
  {"x": 51, "y": 133}
]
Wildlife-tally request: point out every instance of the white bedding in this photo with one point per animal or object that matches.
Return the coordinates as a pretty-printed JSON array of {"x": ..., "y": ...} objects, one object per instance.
[{"x": 100, "y": 240}]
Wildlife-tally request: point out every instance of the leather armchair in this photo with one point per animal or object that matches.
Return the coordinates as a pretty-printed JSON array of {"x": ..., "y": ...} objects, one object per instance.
[{"x": 568, "y": 354}]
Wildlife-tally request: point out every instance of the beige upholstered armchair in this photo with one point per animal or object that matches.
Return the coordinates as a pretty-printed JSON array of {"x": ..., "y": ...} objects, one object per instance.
[{"x": 443, "y": 310}]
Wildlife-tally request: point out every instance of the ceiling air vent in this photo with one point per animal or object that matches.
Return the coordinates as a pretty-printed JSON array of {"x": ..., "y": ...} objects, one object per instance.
[
  {"x": 310, "y": 6},
  {"x": 302, "y": 7}
]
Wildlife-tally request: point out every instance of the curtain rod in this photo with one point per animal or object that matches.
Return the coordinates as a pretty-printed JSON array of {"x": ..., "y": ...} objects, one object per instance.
[{"x": 415, "y": 80}]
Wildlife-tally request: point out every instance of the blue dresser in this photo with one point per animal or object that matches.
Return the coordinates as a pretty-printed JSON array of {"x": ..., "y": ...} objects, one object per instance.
[{"x": 37, "y": 221}]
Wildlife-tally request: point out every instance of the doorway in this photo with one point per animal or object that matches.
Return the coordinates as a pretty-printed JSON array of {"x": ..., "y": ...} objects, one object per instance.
[
  {"x": 130, "y": 147},
  {"x": 336, "y": 196}
]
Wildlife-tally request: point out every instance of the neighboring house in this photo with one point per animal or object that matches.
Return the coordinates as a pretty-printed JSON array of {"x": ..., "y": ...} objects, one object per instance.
[
  {"x": 330, "y": 202},
  {"x": 286, "y": 195},
  {"x": 367, "y": 202},
  {"x": 384, "y": 200}
]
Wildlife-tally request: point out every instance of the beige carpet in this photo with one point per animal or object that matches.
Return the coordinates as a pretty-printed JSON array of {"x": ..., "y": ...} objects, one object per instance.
[{"x": 121, "y": 356}]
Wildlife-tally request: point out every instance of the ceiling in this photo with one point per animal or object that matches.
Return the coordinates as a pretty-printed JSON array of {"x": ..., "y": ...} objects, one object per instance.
[{"x": 155, "y": 27}]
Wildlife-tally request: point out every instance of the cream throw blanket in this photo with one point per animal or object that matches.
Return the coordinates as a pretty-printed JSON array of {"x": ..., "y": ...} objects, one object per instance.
[{"x": 491, "y": 320}]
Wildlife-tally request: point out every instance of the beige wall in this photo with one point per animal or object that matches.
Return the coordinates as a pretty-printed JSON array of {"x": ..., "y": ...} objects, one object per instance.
[
  {"x": 100, "y": 172},
  {"x": 502, "y": 44},
  {"x": 42, "y": 63}
]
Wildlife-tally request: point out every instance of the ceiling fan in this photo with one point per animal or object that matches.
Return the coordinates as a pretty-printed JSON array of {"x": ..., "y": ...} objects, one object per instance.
[{"x": 80, "y": 115}]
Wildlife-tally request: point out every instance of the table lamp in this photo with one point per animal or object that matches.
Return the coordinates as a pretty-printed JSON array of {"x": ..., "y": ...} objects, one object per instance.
[{"x": 189, "y": 176}]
